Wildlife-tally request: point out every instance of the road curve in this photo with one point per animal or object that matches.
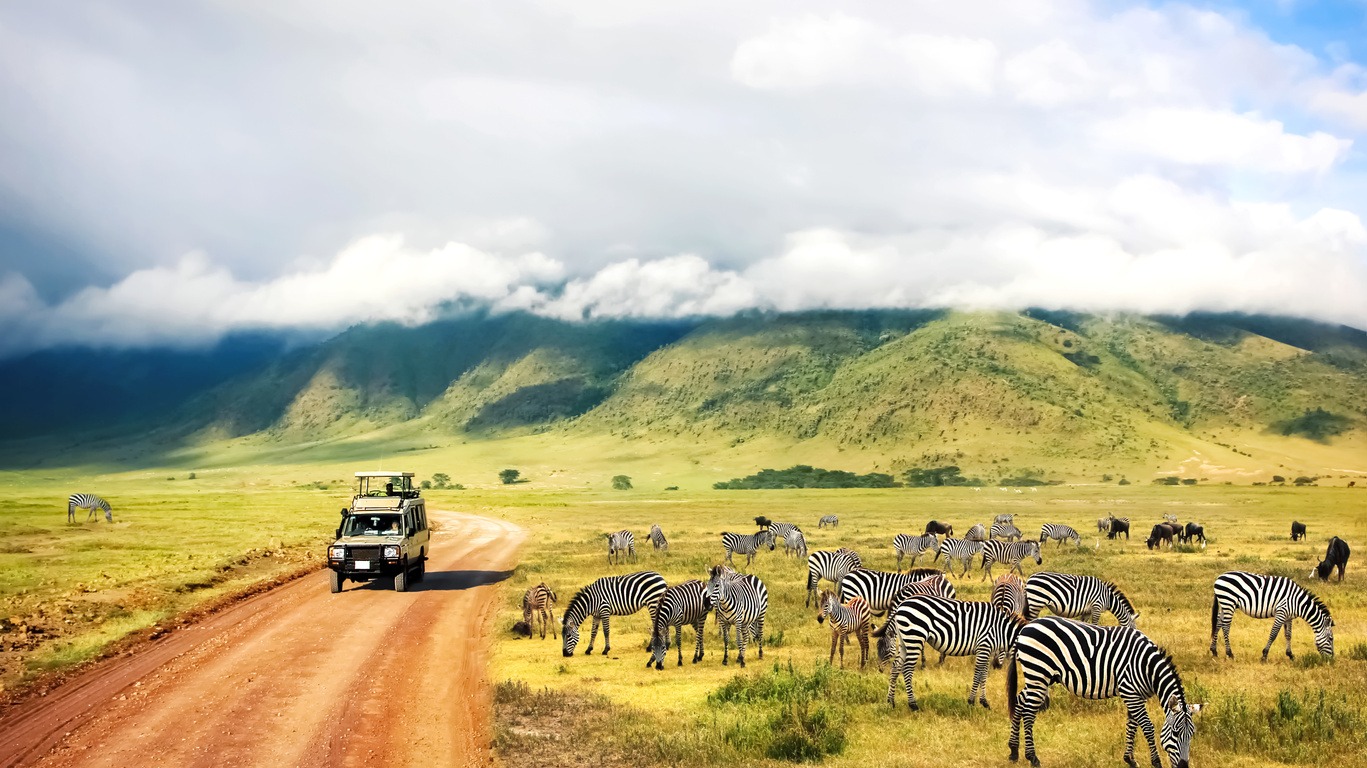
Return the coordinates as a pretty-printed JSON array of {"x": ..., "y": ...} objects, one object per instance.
[{"x": 298, "y": 676}]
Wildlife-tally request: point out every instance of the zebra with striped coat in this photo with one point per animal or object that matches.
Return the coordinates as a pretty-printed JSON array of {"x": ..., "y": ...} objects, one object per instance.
[
  {"x": 795, "y": 544},
  {"x": 539, "y": 603},
  {"x": 621, "y": 545},
  {"x": 657, "y": 538},
  {"x": 831, "y": 565},
  {"x": 906, "y": 544},
  {"x": 741, "y": 601},
  {"x": 851, "y": 618},
  {"x": 1077, "y": 597},
  {"x": 1005, "y": 531},
  {"x": 953, "y": 627},
  {"x": 1008, "y": 594},
  {"x": 1060, "y": 533},
  {"x": 87, "y": 501},
  {"x": 962, "y": 550},
  {"x": 1004, "y": 518},
  {"x": 880, "y": 588},
  {"x": 1099, "y": 663},
  {"x": 686, "y": 603},
  {"x": 1269, "y": 597},
  {"x": 747, "y": 544},
  {"x": 1009, "y": 553},
  {"x": 609, "y": 596},
  {"x": 1103, "y": 524},
  {"x": 828, "y": 521},
  {"x": 781, "y": 530},
  {"x": 977, "y": 533}
]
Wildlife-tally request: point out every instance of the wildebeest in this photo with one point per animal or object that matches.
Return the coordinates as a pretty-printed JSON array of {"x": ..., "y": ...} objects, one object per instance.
[
  {"x": 1192, "y": 531},
  {"x": 940, "y": 529},
  {"x": 1119, "y": 526},
  {"x": 1162, "y": 534},
  {"x": 1334, "y": 557},
  {"x": 1297, "y": 530}
]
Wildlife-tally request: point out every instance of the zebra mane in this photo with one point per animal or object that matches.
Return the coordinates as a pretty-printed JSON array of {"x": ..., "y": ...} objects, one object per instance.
[
  {"x": 579, "y": 597},
  {"x": 1165, "y": 662},
  {"x": 1123, "y": 597},
  {"x": 1317, "y": 602}
]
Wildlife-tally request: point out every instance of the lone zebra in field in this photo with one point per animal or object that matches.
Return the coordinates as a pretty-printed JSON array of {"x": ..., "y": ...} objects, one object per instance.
[
  {"x": 952, "y": 627},
  {"x": 609, "y": 596},
  {"x": 1009, "y": 553},
  {"x": 539, "y": 603},
  {"x": 851, "y": 618},
  {"x": 880, "y": 588},
  {"x": 1008, "y": 594},
  {"x": 1268, "y": 597},
  {"x": 831, "y": 565},
  {"x": 1099, "y": 663},
  {"x": 828, "y": 521},
  {"x": 795, "y": 543},
  {"x": 87, "y": 501},
  {"x": 741, "y": 601},
  {"x": 905, "y": 544},
  {"x": 685, "y": 603},
  {"x": 1077, "y": 597},
  {"x": 747, "y": 544},
  {"x": 1059, "y": 533},
  {"x": 1005, "y": 531},
  {"x": 961, "y": 550},
  {"x": 621, "y": 545},
  {"x": 657, "y": 538}
]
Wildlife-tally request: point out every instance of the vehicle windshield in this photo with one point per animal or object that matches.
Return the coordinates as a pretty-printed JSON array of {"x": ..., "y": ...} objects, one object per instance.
[{"x": 369, "y": 524}]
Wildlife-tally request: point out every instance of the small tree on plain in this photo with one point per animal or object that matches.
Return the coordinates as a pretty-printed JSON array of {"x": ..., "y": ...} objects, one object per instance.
[
  {"x": 426, "y": 484},
  {"x": 509, "y": 476},
  {"x": 621, "y": 483},
  {"x": 440, "y": 479}
]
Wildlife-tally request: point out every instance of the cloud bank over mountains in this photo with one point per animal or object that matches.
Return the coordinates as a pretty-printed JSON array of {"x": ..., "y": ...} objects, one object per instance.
[{"x": 167, "y": 177}]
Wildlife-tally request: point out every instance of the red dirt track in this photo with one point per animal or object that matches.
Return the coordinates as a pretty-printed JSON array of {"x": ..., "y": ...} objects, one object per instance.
[{"x": 297, "y": 676}]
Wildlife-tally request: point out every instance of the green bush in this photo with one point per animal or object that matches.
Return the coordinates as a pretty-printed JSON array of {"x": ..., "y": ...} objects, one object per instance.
[
  {"x": 509, "y": 476},
  {"x": 621, "y": 483},
  {"x": 1166, "y": 481},
  {"x": 1298, "y": 727},
  {"x": 805, "y": 476}
]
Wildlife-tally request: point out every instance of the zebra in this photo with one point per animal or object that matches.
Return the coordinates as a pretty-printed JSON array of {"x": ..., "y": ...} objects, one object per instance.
[
  {"x": 1269, "y": 597},
  {"x": 1099, "y": 663},
  {"x": 657, "y": 538},
  {"x": 962, "y": 550},
  {"x": 1010, "y": 553},
  {"x": 795, "y": 543},
  {"x": 1008, "y": 594},
  {"x": 1103, "y": 524},
  {"x": 1006, "y": 531},
  {"x": 87, "y": 501},
  {"x": 828, "y": 520},
  {"x": 747, "y": 544},
  {"x": 539, "y": 602},
  {"x": 1059, "y": 532},
  {"x": 976, "y": 533},
  {"x": 1073, "y": 596},
  {"x": 880, "y": 588},
  {"x": 851, "y": 618},
  {"x": 1168, "y": 517},
  {"x": 686, "y": 603},
  {"x": 609, "y": 596},
  {"x": 622, "y": 543},
  {"x": 953, "y": 627},
  {"x": 1004, "y": 518},
  {"x": 741, "y": 601},
  {"x": 780, "y": 530},
  {"x": 831, "y": 565},
  {"x": 906, "y": 544}
]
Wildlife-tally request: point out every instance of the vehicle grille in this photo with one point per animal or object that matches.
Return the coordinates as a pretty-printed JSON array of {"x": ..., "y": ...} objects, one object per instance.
[{"x": 362, "y": 553}]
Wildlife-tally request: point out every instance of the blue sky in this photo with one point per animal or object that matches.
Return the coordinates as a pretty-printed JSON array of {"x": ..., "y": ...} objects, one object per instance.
[{"x": 172, "y": 173}]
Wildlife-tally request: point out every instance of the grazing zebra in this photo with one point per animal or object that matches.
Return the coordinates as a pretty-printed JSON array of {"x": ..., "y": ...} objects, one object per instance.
[
  {"x": 609, "y": 596},
  {"x": 880, "y": 588},
  {"x": 685, "y": 603},
  {"x": 741, "y": 601},
  {"x": 1008, "y": 594},
  {"x": 1099, "y": 663},
  {"x": 657, "y": 538},
  {"x": 795, "y": 543},
  {"x": 1005, "y": 531},
  {"x": 852, "y": 618},
  {"x": 828, "y": 520},
  {"x": 621, "y": 544},
  {"x": 1004, "y": 518},
  {"x": 953, "y": 627},
  {"x": 539, "y": 601},
  {"x": 906, "y": 544},
  {"x": 1059, "y": 532},
  {"x": 1103, "y": 524},
  {"x": 962, "y": 550},
  {"x": 87, "y": 501},
  {"x": 747, "y": 544},
  {"x": 1010, "y": 553},
  {"x": 976, "y": 533},
  {"x": 1073, "y": 596},
  {"x": 831, "y": 565},
  {"x": 1269, "y": 597}
]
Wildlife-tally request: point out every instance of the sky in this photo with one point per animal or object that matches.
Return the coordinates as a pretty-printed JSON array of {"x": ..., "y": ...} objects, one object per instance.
[{"x": 172, "y": 172}]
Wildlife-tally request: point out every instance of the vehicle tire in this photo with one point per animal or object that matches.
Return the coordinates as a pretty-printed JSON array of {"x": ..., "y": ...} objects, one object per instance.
[
  {"x": 401, "y": 579},
  {"x": 335, "y": 579}
]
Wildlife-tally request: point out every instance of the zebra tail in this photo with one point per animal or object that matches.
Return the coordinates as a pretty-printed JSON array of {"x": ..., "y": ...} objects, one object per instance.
[
  {"x": 1011, "y": 686},
  {"x": 1214, "y": 616}
]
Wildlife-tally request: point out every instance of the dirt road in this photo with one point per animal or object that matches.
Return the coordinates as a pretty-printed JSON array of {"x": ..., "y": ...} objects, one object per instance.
[{"x": 298, "y": 677}]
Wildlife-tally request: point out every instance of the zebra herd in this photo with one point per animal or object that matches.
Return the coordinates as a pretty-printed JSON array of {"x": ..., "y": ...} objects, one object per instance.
[{"x": 923, "y": 612}]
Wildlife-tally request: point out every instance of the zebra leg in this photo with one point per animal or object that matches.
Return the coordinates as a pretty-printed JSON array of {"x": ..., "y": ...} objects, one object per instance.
[
  {"x": 896, "y": 667},
  {"x": 607, "y": 641},
  {"x": 913, "y": 652},
  {"x": 698, "y": 627},
  {"x": 725, "y": 641},
  {"x": 759, "y": 635},
  {"x": 1139, "y": 717},
  {"x": 1028, "y": 704},
  {"x": 1277, "y": 627},
  {"x": 835, "y": 638},
  {"x": 678, "y": 640},
  {"x": 71, "y": 513},
  {"x": 1227, "y": 621},
  {"x": 593, "y": 634},
  {"x": 550, "y": 619},
  {"x": 742, "y": 636},
  {"x": 1287, "y": 629},
  {"x": 863, "y": 646},
  {"x": 980, "y": 677},
  {"x": 986, "y": 568}
]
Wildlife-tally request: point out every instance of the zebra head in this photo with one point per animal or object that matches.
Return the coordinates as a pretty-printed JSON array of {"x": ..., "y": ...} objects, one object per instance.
[
  {"x": 1324, "y": 637},
  {"x": 826, "y": 600},
  {"x": 766, "y": 536},
  {"x": 1178, "y": 728},
  {"x": 1034, "y": 550},
  {"x": 716, "y": 585},
  {"x": 569, "y": 635},
  {"x": 659, "y": 646}
]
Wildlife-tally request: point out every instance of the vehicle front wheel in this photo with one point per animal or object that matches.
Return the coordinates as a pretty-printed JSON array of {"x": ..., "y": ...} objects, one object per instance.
[
  {"x": 336, "y": 580},
  {"x": 401, "y": 579}
]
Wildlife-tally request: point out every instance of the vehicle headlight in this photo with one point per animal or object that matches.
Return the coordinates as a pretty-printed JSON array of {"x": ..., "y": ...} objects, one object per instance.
[
  {"x": 391, "y": 553},
  {"x": 337, "y": 553}
]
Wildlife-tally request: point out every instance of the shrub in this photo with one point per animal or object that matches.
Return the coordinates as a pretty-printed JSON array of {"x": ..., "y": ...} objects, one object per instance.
[
  {"x": 1299, "y": 727},
  {"x": 1166, "y": 481},
  {"x": 426, "y": 484},
  {"x": 1303, "y": 480},
  {"x": 192, "y": 476},
  {"x": 1278, "y": 479},
  {"x": 672, "y": 488},
  {"x": 1123, "y": 481},
  {"x": 440, "y": 479},
  {"x": 621, "y": 483},
  {"x": 509, "y": 476},
  {"x": 1188, "y": 481}
]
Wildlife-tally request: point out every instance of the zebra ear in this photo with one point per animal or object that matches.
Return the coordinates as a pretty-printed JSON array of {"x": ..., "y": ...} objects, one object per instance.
[
  {"x": 1172, "y": 702},
  {"x": 1194, "y": 708}
]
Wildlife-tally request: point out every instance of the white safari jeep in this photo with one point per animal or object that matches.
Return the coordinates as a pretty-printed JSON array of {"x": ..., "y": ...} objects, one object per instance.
[{"x": 383, "y": 533}]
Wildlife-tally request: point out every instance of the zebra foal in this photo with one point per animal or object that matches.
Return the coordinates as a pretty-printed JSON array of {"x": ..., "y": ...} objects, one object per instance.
[
  {"x": 609, "y": 596},
  {"x": 795, "y": 544},
  {"x": 851, "y": 618},
  {"x": 681, "y": 604},
  {"x": 621, "y": 544},
  {"x": 539, "y": 603},
  {"x": 1269, "y": 597},
  {"x": 657, "y": 538},
  {"x": 741, "y": 601},
  {"x": 962, "y": 550},
  {"x": 87, "y": 501}
]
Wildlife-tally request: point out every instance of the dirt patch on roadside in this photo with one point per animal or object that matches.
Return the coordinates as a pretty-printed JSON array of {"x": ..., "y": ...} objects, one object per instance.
[{"x": 548, "y": 727}]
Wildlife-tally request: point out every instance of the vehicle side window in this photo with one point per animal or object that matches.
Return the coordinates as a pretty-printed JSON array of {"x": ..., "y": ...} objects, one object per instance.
[{"x": 422, "y": 512}]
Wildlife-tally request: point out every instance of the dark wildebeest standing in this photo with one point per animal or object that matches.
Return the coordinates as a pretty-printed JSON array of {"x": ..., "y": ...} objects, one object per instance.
[
  {"x": 1161, "y": 534},
  {"x": 1297, "y": 530},
  {"x": 1192, "y": 531},
  {"x": 1334, "y": 557},
  {"x": 940, "y": 529},
  {"x": 1118, "y": 527}
]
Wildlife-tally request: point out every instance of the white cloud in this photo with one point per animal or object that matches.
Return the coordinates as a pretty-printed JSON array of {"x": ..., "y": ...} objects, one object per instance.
[{"x": 1213, "y": 137}]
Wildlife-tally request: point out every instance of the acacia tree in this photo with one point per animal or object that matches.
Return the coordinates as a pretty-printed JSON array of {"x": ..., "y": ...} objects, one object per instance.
[
  {"x": 441, "y": 479},
  {"x": 621, "y": 483},
  {"x": 509, "y": 476}
]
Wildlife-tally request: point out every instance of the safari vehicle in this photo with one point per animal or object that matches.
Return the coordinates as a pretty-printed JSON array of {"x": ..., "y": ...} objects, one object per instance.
[{"x": 383, "y": 533}]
